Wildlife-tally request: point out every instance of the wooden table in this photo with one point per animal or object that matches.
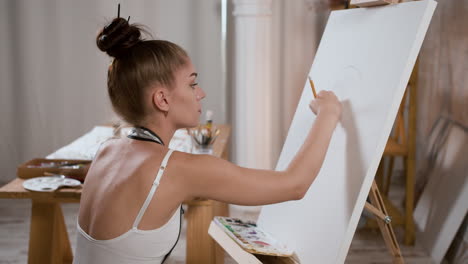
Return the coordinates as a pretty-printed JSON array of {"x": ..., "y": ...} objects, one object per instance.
[{"x": 48, "y": 237}]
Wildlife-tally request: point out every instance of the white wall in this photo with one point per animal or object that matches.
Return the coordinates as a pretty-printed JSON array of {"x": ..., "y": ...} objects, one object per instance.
[{"x": 53, "y": 77}]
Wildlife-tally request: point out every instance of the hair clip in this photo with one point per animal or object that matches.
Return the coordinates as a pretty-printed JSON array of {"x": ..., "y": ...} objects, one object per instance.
[
  {"x": 118, "y": 11},
  {"x": 128, "y": 20},
  {"x": 102, "y": 38}
]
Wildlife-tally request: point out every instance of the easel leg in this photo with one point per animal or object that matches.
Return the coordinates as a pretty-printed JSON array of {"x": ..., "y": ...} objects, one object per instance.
[
  {"x": 380, "y": 173},
  {"x": 378, "y": 208},
  {"x": 48, "y": 238},
  {"x": 388, "y": 178},
  {"x": 411, "y": 160},
  {"x": 409, "y": 222}
]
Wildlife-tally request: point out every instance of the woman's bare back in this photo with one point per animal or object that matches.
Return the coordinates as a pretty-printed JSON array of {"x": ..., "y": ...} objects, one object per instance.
[{"x": 118, "y": 183}]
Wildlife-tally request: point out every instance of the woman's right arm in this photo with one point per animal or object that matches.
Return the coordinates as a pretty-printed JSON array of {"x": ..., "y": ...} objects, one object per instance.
[{"x": 213, "y": 178}]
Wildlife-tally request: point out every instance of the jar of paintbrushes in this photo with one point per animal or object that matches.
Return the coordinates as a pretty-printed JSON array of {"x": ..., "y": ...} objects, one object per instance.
[{"x": 203, "y": 136}]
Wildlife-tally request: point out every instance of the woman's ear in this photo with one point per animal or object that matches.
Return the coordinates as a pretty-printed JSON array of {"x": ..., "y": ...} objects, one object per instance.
[{"x": 160, "y": 99}]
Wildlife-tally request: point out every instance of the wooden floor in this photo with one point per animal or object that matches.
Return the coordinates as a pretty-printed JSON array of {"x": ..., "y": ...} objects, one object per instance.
[{"x": 367, "y": 245}]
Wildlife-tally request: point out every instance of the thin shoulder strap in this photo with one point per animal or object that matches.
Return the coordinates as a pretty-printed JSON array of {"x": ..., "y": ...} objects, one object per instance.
[{"x": 153, "y": 189}]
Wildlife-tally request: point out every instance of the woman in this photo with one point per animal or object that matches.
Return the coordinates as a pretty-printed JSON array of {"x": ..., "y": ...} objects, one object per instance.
[{"x": 131, "y": 202}]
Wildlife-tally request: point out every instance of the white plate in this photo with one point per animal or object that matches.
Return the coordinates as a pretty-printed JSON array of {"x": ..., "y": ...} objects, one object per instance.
[{"x": 49, "y": 184}]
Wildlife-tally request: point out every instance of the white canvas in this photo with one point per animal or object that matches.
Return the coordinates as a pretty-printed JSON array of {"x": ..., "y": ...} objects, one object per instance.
[
  {"x": 366, "y": 57},
  {"x": 444, "y": 202}
]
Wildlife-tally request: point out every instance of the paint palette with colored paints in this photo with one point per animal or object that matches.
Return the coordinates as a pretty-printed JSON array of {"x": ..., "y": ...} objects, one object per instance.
[
  {"x": 49, "y": 184},
  {"x": 252, "y": 238}
]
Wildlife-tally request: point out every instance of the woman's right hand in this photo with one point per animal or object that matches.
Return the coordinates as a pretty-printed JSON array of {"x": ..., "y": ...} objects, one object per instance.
[{"x": 326, "y": 102}]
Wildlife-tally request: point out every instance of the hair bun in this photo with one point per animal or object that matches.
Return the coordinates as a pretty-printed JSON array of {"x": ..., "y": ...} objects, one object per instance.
[{"x": 117, "y": 37}]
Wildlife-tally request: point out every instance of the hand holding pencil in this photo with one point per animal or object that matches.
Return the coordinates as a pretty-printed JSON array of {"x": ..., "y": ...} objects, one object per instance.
[{"x": 325, "y": 102}]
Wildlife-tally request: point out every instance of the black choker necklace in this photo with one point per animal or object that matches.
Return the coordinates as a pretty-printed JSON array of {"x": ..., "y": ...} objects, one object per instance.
[{"x": 143, "y": 133}]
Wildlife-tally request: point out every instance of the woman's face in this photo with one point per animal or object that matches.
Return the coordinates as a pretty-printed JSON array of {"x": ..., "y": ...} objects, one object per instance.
[{"x": 185, "y": 105}]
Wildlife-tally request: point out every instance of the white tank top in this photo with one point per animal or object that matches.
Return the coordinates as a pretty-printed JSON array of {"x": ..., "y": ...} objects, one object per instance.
[{"x": 134, "y": 246}]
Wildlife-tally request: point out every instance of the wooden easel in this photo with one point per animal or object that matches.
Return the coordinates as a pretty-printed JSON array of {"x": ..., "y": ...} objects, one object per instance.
[
  {"x": 376, "y": 205},
  {"x": 402, "y": 145},
  {"x": 370, "y": 3}
]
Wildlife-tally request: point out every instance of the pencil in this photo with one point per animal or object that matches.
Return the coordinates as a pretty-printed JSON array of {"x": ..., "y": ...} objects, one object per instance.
[{"x": 313, "y": 87}]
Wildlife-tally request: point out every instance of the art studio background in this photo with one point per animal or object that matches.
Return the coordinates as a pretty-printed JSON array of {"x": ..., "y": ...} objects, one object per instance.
[{"x": 53, "y": 78}]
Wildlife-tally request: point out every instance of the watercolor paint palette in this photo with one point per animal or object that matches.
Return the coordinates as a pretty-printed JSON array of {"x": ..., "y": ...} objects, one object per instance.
[
  {"x": 49, "y": 184},
  {"x": 251, "y": 238}
]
